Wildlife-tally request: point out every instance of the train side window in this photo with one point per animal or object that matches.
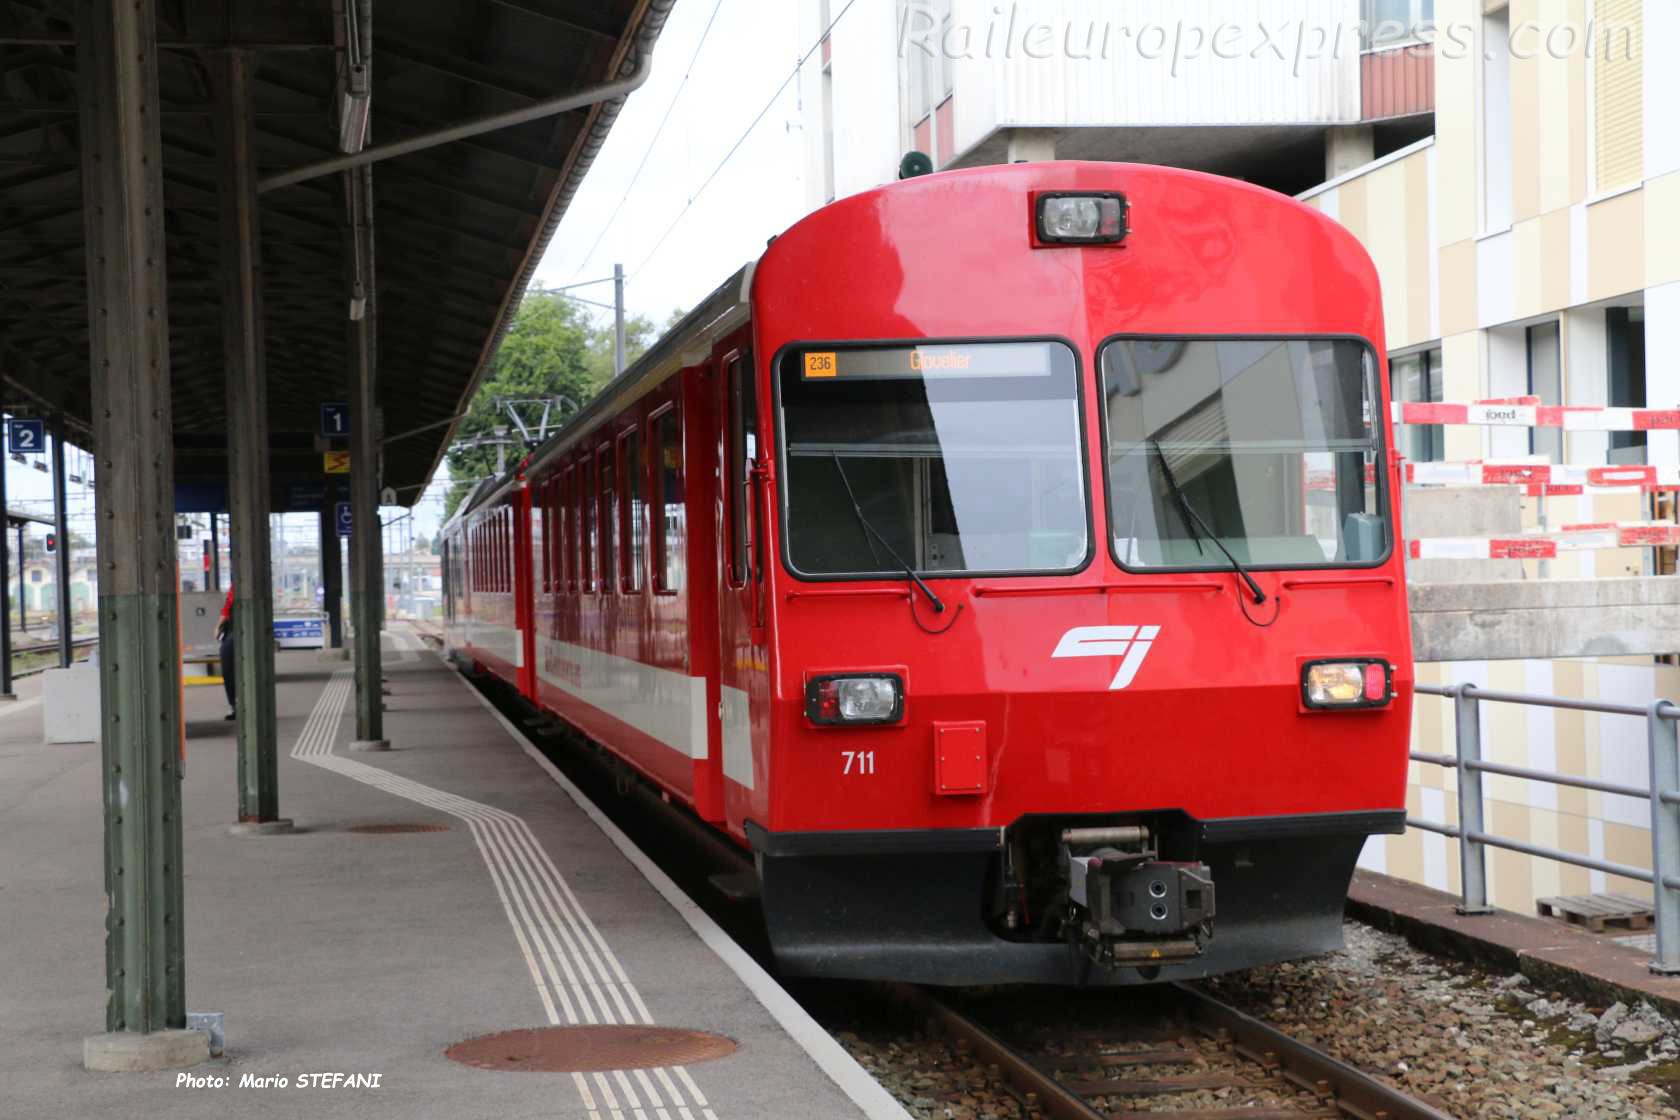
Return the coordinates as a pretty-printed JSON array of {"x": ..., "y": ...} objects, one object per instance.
[
  {"x": 743, "y": 450},
  {"x": 607, "y": 498},
  {"x": 569, "y": 526},
  {"x": 633, "y": 511},
  {"x": 540, "y": 537},
  {"x": 562, "y": 534},
  {"x": 669, "y": 515}
]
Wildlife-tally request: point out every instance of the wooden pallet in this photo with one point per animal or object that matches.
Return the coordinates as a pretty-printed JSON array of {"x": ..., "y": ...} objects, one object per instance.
[{"x": 1596, "y": 911}]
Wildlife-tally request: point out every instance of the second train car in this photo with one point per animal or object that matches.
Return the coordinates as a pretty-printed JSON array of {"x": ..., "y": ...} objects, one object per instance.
[{"x": 1007, "y": 559}]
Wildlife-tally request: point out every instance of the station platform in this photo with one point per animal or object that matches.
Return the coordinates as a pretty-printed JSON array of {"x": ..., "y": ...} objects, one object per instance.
[
  {"x": 333, "y": 951},
  {"x": 1591, "y": 967}
]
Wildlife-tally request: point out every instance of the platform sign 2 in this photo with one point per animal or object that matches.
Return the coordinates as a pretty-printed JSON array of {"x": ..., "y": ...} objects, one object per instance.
[
  {"x": 26, "y": 437},
  {"x": 341, "y": 515},
  {"x": 335, "y": 418}
]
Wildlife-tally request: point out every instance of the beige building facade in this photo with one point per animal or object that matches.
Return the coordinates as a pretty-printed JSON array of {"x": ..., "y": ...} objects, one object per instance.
[{"x": 1531, "y": 247}]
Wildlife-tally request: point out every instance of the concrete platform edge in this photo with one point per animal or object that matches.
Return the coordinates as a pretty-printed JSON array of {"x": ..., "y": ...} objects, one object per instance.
[
  {"x": 851, "y": 1078},
  {"x": 1556, "y": 958}
]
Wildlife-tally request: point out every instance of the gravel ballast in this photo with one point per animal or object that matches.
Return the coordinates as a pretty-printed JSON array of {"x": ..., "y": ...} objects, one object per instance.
[{"x": 1475, "y": 1045}]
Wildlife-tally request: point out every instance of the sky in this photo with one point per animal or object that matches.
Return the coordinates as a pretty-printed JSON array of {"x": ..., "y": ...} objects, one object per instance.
[{"x": 694, "y": 213}]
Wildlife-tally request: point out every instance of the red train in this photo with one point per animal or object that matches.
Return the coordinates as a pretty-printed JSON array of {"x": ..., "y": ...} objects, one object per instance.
[{"x": 1007, "y": 558}]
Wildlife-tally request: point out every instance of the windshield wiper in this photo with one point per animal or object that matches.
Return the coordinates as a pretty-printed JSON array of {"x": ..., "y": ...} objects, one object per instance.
[
  {"x": 1193, "y": 521},
  {"x": 909, "y": 572}
]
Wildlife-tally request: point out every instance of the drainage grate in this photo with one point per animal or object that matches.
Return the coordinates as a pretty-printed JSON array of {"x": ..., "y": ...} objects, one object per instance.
[
  {"x": 589, "y": 1049},
  {"x": 393, "y": 829}
]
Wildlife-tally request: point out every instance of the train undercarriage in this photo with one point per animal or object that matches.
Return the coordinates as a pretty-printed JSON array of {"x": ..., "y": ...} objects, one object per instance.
[{"x": 1057, "y": 900}]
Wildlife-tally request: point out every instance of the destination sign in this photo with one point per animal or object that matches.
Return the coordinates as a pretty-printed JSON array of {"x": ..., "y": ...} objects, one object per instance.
[{"x": 990, "y": 359}]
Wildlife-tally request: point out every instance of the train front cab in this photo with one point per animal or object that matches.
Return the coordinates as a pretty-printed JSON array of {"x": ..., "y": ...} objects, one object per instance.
[{"x": 1067, "y": 579}]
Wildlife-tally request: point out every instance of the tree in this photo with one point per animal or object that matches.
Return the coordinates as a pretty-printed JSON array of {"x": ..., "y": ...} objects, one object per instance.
[{"x": 554, "y": 349}]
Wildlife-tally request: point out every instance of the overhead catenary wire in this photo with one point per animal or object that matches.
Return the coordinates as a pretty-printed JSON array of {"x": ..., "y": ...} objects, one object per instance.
[
  {"x": 647, "y": 152},
  {"x": 736, "y": 147}
]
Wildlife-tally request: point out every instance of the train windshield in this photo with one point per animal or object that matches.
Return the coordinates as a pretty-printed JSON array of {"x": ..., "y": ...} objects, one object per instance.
[
  {"x": 1270, "y": 445},
  {"x": 940, "y": 458}
]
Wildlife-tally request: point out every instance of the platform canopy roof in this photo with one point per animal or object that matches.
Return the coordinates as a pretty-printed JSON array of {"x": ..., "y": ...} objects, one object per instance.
[{"x": 459, "y": 228}]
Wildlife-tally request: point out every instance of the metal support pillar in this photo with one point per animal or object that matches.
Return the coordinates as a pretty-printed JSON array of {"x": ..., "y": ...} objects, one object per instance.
[
  {"x": 61, "y": 526},
  {"x": 332, "y": 577},
  {"x": 620, "y": 353},
  {"x": 23, "y": 586},
  {"x": 247, "y": 436},
  {"x": 1665, "y": 833},
  {"x": 6, "y": 692},
  {"x": 215, "y": 551},
  {"x": 1472, "y": 854},
  {"x": 367, "y": 582},
  {"x": 140, "y": 656}
]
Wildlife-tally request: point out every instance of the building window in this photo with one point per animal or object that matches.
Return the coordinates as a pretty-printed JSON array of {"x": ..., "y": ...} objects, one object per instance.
[
  {"x": 1545, "y": 380},
  {"x": 930, "y": 76},
  {"x": 1496, "y": 121},
  {"x": 1625, "y": 328},
  {"x": 1618, "y": 64},
  {"x": 1416, "y": 379},
  {"x": 1391, "y": 22}
]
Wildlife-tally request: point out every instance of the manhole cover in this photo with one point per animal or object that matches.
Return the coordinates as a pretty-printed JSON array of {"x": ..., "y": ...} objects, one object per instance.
[
  {"x": 589, "y": 1049},
  {"x": 393, "y": 829}
]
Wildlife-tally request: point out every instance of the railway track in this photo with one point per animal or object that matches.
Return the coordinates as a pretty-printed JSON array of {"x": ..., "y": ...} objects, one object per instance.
[{"x": 1150, "y": 1054}]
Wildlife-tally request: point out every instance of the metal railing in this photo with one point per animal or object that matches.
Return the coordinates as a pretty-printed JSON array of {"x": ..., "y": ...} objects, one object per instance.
[{"x": 1664, "y": 797}]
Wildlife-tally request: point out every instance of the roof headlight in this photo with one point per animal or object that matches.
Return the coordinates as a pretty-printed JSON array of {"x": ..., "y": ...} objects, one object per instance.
[{"x": 1081, "y": 218}]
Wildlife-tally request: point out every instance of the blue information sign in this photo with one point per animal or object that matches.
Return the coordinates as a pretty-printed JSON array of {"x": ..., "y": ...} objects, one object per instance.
[
  {"x": 342, "y": 514},
  {"x": 28, "y": 437},
  {"x": 335, "y": 418},
  {"x": 299, "y": 633}
]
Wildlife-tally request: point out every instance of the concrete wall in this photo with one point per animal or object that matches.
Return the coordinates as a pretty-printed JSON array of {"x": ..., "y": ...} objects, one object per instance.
[{"x": 1052, "y": 64}]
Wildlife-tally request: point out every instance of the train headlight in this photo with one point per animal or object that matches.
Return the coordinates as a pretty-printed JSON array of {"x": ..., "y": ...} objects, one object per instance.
[
  {"x": 1350, "y": 683},
  {"x": 858, "y": 699},
  {"x": 1081, "y": 218}
]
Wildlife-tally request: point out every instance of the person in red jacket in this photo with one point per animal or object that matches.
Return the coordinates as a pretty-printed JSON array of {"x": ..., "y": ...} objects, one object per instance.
[{"x": 224, "y": 636}]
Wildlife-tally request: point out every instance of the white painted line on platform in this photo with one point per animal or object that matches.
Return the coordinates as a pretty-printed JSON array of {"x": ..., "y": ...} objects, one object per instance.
[
  {"x": 832, "y": 1058},
  {"x": 564, "y": 951}
]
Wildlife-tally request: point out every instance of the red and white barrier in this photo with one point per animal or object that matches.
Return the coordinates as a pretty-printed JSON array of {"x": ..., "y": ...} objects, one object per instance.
[
  {"x": 1528, "y": 412},
  {"x": 1546, "y": 479},
  {"x": 1548, "y": 546}
]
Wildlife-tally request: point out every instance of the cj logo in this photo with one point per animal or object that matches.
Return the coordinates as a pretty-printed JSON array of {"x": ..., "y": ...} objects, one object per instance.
[{"x": 1129, "y": 642}]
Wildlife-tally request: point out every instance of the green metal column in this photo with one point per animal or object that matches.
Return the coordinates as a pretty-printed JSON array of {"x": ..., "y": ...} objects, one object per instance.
[
  {"x": 140, "y": 663},
  {"x": 332, "y": 577},
  {"x": 367, "y": 581},
  {"x": 247, "y": 441}
]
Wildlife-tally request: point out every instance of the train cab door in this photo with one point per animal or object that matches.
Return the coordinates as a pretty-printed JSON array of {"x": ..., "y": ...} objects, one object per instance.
[
  {"x": 527, "y": 527},
  {"x": 742, "y": 632}
]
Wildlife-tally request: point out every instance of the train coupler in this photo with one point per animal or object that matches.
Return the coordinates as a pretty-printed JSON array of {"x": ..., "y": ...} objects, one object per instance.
[{"x": 1129, "y": 908}]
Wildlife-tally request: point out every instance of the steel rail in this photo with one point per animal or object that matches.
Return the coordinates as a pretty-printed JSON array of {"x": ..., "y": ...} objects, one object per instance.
[
  {"x": 1336, "y": 1084},
  {"x": 1350, "y": 1089}
]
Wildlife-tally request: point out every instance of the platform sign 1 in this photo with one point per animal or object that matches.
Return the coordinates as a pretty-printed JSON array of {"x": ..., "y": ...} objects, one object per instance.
[
  {"x": 335, "y": 418},
  {"x": 26, "y": 437},
  {"x": 341, "y": 515}
]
